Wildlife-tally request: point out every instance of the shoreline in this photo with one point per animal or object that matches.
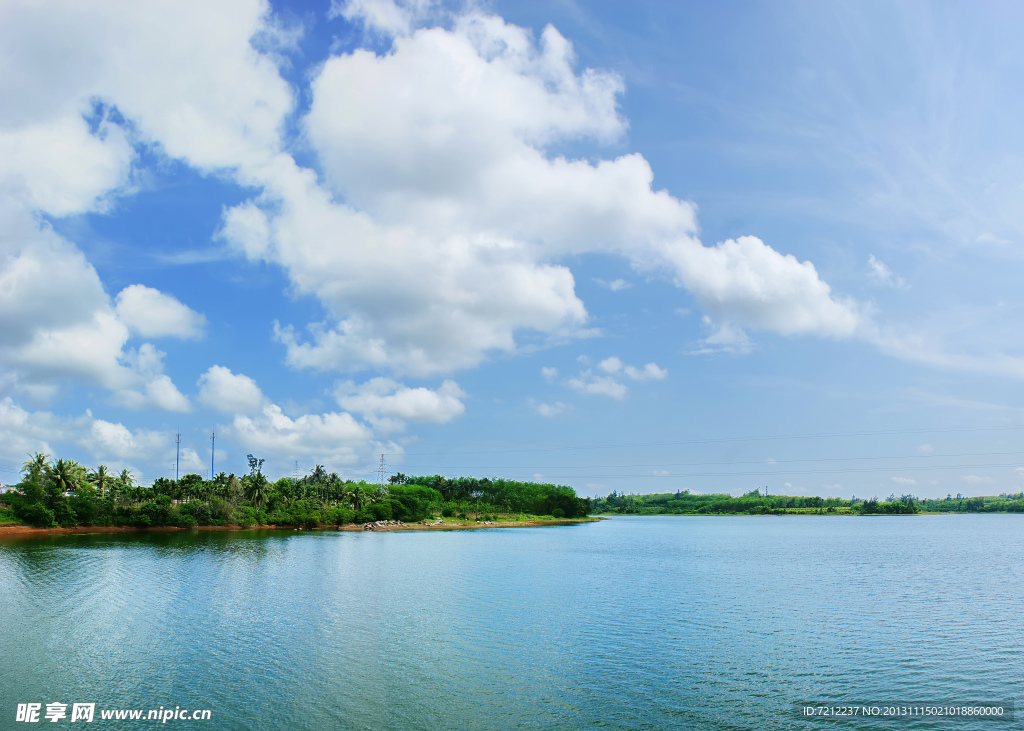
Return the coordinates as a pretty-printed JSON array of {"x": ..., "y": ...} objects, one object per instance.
[{"x": 19, "y": 530}]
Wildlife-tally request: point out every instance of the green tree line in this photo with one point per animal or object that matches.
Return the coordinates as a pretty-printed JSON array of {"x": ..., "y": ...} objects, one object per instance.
[
  {"x": 757, "y": 503},
  {"x": 65, "y": 493},
  {"x": 754, "y": 502}
]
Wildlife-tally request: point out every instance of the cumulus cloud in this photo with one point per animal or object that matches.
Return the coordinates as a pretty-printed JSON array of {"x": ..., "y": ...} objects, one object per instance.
[
  {"x": 550, "y": 373},
  {"x": 417, "y": 244},
  {"x": 228, "y": 392},
  {"x": 651, "y": 371},
  {"x": 388, "y": 404},
  {"x": 24, "y": 432},
  {"x": 746, "y": 281},
  {"x": 59, "y": 166},
  {"x": 333, "y": 438},
  {"x": 151, "y": 313},
  {"x": 608, "y": 385},
  {"x": 94, "y": 81},
  {"x": 589, "y": 383}
]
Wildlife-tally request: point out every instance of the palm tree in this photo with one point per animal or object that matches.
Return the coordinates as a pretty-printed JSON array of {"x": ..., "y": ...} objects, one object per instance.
[
  {"x": 124, "y": 483},
  {"x": 357, "y": 495},
  {"x": 34, "y": 470},
  {"x": 257, "y": 489},
  {"x": 101, "y": 478},
  {"x": 35, "y": 467},
  {"x": 66, "y": 475}
]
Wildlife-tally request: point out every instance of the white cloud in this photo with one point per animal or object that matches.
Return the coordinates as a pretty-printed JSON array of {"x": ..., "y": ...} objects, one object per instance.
[
  {"x": 121, "y": 443},
  {"x": 926, "y": 448},
  {"x": 58, "y": 166},
  {"x": 882, "y": 275},
  {"x": 976, "y": 480},
  {"x": 650, "y": 372},
  {"x": 228, "y": 392},
  {"x": 588, "y": 383},
  {"x": 549, "y": 373},
  {"x": 726, "y": 338},
  {"x": 549, "y": 410},
  {"x": 616, "y": 285},
  {"x": 387, "y": 404},
  {"x": 614, "y": 365},
  {"x": 151, "y": 313},
  {"x": 334, "y": 438},
  {"x": 904, "y": 481},
  {"x": 23, "y": 432},
  {"x": 93, "y": 81},
  {"x": 157, "y": 392},
  {"x": 748, "y": 282},
  {"x": 418, "y": 247}
]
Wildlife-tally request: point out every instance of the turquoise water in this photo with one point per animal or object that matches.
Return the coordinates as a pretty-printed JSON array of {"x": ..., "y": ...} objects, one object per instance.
[{"x": 633, "y": 623}]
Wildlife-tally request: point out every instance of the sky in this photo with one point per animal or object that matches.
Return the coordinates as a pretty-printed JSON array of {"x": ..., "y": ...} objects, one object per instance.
[{"x": 643, "y": 248}]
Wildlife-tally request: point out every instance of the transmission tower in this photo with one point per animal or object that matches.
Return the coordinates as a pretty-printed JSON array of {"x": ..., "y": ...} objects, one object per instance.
[
  {"x": 177, "y": 454},
  {"x": 382, "y": 471},
  {"x": 213, "y": 444}
]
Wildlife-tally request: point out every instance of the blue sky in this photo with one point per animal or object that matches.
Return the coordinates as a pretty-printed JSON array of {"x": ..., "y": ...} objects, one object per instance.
[{"x": 647, "y": 248}]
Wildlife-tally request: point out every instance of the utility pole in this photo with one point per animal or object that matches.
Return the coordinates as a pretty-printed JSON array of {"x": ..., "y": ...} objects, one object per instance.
[
  {"x": 295, "y": 474},
  {"x": 381, "y": 472},
  {"x": 213, "y": 445},
  {"x": 177, "y": 454}
]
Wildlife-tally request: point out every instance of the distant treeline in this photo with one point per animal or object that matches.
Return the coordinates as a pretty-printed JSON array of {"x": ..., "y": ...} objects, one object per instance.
[
  {"x": 64, "y": 493},
  {"x": 757, "y": 503}
]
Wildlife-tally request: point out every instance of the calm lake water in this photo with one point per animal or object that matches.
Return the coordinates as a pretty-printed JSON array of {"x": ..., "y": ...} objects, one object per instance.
[{"x": 634, "y": 623}]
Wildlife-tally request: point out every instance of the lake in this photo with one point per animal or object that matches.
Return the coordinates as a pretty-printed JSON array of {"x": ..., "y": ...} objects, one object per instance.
[{"x": 631, "y": 623}]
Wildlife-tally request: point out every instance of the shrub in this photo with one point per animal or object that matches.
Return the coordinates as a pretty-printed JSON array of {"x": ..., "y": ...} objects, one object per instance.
[
  {"x": 36, "y": 515},
  {"x": 245, "y": 516},
  {"x": 558, "y": 513},
  {"x": 187, "y": 521},
  {"x": 447, "y": 512}
]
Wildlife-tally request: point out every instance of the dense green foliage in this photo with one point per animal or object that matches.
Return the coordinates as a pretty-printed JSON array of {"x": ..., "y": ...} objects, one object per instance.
[
  {"x": 64, "y": 493},
  {"x": 466, "y": 494},
  {"x": 756, "y": 503},
  {"x": 752, "y": 503}
]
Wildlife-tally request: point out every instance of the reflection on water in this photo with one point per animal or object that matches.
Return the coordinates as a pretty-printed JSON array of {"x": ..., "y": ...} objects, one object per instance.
[{"x": 684, "y": 622}]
